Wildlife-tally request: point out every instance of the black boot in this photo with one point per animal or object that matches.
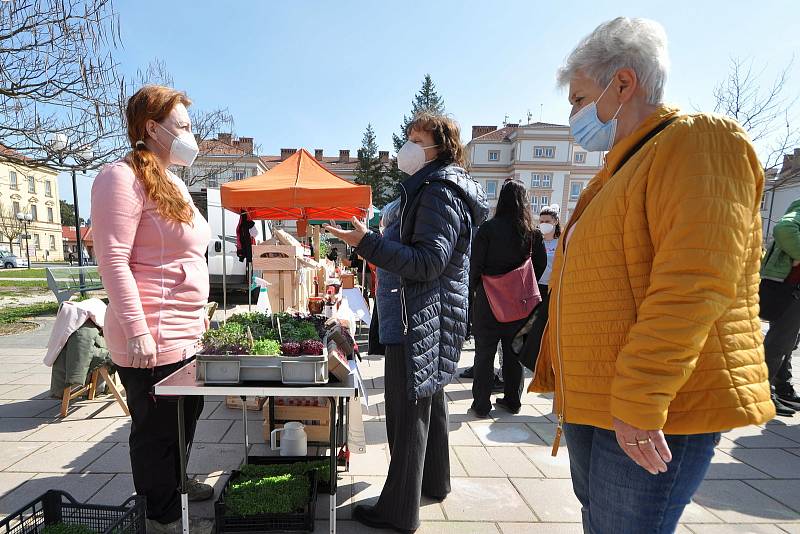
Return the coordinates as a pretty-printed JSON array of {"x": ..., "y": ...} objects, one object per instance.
[
  {"x": 782, "y": 409},
  {"x": 366, "y": 515}
]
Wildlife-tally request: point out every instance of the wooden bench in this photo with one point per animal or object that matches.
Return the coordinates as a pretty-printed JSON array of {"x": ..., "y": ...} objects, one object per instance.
[{"x": 66, "y": 281}]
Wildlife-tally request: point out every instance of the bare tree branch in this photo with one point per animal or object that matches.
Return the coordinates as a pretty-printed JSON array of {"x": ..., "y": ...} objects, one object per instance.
[
  {"x": 768, "y": 114},
  {"x": 58, "y": 76},
  {"x": 10, "y": 227}
]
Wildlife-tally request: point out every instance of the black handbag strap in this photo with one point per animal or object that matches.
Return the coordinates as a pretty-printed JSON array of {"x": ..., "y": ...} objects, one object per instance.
[{"x": 643, "y": 141}]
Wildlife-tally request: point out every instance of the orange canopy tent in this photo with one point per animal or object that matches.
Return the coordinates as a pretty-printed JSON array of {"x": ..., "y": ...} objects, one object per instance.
[{"x": 299, "y": 188}]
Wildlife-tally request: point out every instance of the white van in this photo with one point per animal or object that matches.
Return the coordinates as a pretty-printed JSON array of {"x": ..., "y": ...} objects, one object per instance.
[{"x": 208, "y": 202}]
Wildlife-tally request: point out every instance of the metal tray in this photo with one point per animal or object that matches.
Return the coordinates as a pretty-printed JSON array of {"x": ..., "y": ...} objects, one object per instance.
[{"x": 238, "y": 368}]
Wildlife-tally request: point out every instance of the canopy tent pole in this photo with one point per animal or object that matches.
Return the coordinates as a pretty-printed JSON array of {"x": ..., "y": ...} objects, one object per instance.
[
  {"x": 249, "y": 274},
  {"x": 224, "y": 270},
  {"x": 316, "y": 238}
]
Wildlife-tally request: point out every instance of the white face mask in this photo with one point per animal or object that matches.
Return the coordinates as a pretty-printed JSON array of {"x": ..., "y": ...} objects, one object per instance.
[
  {"x": 411, "y": 157},
  {"x": 546, "y": 228},
  {"x": 184, "y": 148}
]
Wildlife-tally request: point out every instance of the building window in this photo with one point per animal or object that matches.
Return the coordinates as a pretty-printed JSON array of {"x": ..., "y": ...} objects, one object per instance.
[
  {"x": 545, "y": 200},
  {"x": 513, "y": 154},
  {"x": 494, "y": 155},
  {"x": 50, "y": 215},
  {"x": 52, "y": 242},
  {"x": 580, "y": 157},
  {"x": 763, "y": 200},
  {"x": 36, "y": 243},
  {"x": 547, "y": 180},
  {"x": 238, "y": 175},
  {"x": 575, "y": 189},
  {"x": 535, "y": 204},
  {"x": 544, "y": 152},
  {"x": 491, "y": 188},
  {"x": 12, "y": 177},
  {"x": 34, "y": 212},
  {"x": 536, "y": 180},
  {"x": 31, "y": 184},
  {"x": 16, "y": 208},
  {"x": 48, "y": 189}
]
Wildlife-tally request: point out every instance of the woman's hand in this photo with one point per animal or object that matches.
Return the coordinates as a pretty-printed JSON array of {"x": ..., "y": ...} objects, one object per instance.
[
  {"x": 142, "y": 351},
  {"x": 351, "y": 237},
  {"x": 648, "y": 448}
]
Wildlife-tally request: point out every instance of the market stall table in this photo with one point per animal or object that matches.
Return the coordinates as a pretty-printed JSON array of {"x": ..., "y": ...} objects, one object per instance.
[{"x": 182, "y": 383}]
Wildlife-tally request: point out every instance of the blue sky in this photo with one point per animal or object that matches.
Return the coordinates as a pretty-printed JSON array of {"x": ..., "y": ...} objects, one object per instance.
[{"x": 313, "y": 73}]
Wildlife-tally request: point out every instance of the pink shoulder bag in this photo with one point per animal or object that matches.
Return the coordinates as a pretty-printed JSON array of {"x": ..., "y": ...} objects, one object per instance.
[{"x": 514, "y": 295}]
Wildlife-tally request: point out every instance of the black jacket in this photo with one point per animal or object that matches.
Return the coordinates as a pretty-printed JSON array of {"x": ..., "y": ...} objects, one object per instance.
[
  {"x": 498, "y": 249},
  {"x": 440, "y": 206}
]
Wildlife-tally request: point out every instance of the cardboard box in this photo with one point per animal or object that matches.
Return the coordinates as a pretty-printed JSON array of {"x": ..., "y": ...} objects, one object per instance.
[
  {"x": 274, "y": 258},
  {"x": 348, "y": 280},
  {"x": 254, "y": 404}
]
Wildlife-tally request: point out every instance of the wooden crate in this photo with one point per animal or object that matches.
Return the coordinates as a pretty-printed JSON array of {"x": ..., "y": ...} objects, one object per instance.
[
  {"x": 316, "y": 420},
  {"x": 254, "y": 404},
  {"x": 314, "y": 433},
  {"x": 278, "y": 258},
  {"x": 283, "y": 290}
]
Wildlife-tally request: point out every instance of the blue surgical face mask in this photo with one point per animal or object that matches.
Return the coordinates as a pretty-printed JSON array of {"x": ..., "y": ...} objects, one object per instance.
[{"x": 589, "y": 131}]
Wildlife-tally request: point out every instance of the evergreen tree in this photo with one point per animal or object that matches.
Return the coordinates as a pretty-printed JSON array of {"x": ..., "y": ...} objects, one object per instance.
[
  {"x": 427, "y": 99},
  {"x": 374, "y": 173}
]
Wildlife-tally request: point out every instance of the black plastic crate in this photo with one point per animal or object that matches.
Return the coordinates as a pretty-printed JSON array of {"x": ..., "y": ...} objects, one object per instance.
[
  {"x": 301, "y": 520},
  {"x": 60, "y": 507},
  {"x": 323, "y": 485}
]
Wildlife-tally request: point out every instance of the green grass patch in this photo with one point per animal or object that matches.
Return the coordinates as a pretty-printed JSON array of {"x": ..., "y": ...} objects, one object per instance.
[
  {"x": 12, "y": 315},
  {"x": 279, "y": 494},
  {"x": 62, "y": 528},
  {"x": 23, "y": 273},
  {"x": 23, "y": 283}
]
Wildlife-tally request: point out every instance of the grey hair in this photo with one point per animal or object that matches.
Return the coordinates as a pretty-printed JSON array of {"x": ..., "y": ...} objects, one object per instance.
[{"x": 638, "y": 44}]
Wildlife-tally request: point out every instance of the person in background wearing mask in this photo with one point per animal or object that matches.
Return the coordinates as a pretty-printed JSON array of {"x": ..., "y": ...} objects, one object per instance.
[
  {"x": 550, "y": 226},
  {"x": 151, "y": 243},
  {"x": 504, "y": 243},
  {"x": 654, "y": 343},
  {"x": 439, "y": 205}
]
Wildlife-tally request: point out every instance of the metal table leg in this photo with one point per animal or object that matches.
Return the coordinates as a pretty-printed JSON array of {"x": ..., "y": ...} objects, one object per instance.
[
  {"x": 182, "y": 452},
  {"x": 333, "y": 446}
]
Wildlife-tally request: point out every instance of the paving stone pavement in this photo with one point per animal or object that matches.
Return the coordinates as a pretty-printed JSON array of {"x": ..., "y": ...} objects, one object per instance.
[{"x": 504, "y": 479}]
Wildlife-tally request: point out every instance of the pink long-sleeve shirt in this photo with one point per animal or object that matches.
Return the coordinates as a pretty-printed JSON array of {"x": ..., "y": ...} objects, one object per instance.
[{"x": 153, "y": 269}]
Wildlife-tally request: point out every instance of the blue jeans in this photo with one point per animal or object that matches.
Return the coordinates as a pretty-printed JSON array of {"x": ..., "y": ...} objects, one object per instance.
[{"x": 618, "y": 496}]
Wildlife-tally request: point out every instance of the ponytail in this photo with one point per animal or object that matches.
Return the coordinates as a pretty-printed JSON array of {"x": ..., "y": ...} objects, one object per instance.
[{"x": 155, "y": 102}]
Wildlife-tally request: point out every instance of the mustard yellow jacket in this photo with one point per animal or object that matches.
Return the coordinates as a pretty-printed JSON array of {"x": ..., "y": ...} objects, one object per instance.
[{"x": 654, "y": 302}]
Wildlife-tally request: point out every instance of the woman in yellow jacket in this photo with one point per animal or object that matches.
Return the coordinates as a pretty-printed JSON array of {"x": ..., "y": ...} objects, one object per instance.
[{"x": 654, "y": 344}]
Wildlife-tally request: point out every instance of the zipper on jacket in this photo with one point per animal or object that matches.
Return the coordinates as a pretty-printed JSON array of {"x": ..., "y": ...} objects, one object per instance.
[
  {"x": 403, "y": 311},
  {"x": 560, "y": 373}
]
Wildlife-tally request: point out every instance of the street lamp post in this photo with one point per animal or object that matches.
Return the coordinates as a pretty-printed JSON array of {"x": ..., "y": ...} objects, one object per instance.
[
  {"x": 26, "y": 218},
  {"x": 59, "y": 142}
]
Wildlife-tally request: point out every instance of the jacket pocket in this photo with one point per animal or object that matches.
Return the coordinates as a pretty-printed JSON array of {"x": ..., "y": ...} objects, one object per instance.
[{"x": 193, "y": 285}]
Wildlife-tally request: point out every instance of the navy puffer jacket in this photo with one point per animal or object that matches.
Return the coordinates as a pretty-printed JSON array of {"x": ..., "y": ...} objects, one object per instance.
[{"x": 441, "y": 204}]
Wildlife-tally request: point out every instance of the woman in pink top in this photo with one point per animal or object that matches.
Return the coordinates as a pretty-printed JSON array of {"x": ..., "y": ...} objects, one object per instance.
[{"x": 151, "y": 243}]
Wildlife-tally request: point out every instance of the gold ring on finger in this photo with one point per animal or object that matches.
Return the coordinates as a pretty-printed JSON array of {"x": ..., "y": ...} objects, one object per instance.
[
  {"x": 629, "y": 444},
  {"x": 643, "y": 441}
]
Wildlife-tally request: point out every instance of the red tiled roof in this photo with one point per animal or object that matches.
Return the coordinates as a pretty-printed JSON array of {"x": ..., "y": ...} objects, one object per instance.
[
  {"x": 497, "y": 135},
  {"x": 220, "y": 148},
  {"x": 68, "y": 233},
  {"x": 11, "y": 153},
  {"x": 332, "y": 163},
  {"x": 504, "y": 133}
]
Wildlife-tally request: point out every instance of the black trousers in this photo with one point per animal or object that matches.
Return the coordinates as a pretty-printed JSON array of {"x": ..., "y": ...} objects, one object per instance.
[
  {"x": 779, "y": 343},
  {"x": 483, "y": 381},
  {"x": 155, "y": 458},
  {"x": 419, "y": 446}
]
